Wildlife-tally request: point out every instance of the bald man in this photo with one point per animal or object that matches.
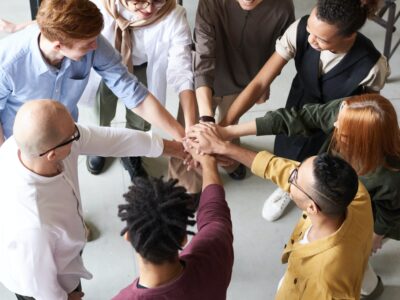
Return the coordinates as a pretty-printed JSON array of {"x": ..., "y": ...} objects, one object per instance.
[{"x": 42, "y": 232}]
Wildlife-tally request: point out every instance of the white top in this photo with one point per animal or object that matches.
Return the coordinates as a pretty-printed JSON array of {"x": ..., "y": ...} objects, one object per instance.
[
  {"x": 286, "y": 48},
  {"x": 166, "y": 47},
  {"x": 42, "y": 231}
]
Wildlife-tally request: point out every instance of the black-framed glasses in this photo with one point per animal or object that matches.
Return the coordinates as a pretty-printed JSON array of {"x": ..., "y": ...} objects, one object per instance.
[
  {"x": 74, "y": 137},
  {"x": 139, "y": 5},
  {"x": 293, "y": 181}
]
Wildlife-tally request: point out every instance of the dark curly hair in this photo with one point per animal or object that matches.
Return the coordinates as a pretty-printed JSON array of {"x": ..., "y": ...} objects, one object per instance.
[
  {"x": 347, "y": 15},
  {"x": 335, "y": 183},
  {"x": 157, "y": 213}
]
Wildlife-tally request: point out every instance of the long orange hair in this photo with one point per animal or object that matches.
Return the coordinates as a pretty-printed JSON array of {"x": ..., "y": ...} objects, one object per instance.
[{"x": 368, "y": 133}]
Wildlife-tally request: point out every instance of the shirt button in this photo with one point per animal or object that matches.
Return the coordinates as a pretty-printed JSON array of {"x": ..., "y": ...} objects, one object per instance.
[
  {"x": 304, "y": 216},
  {"x": 295, "y": 281},
  {"x": 292, "y": 241},
  {"x": 284, "y": 246}
]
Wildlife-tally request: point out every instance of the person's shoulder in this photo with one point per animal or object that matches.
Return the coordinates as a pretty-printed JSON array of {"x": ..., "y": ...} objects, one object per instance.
[
  {"x": 176, "y": 15},
  {"x": 16, "y": 46},
  {"x": 127, "y": 293}
]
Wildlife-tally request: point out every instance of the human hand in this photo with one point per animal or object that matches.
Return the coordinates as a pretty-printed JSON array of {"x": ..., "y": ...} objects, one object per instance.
[
  {"x": 224, "y": 161},
  {"x": 264, "y": 97},
  {"x": 198, "y": 158},
  {"x": 76, "y": 296},
  {"x": 376, "y": 242},
  {"x": 7, "y": 26},
  {"x": 222, "y": 131},
  {"x": 205, "y": 139}
]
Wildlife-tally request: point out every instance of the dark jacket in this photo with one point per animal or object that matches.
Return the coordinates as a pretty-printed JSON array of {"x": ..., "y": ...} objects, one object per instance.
[{"x": 309, "y": 86}]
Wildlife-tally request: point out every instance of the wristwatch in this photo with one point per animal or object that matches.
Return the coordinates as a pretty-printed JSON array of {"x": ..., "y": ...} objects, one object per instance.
[{"x": 207, "y": 119}]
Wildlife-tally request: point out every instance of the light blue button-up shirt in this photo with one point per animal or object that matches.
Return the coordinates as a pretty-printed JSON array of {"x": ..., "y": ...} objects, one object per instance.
[{"x": 25, "y": 75}]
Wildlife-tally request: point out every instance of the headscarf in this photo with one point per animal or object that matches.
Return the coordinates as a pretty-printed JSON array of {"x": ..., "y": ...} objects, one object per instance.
[{"x": 123, "y": 27}]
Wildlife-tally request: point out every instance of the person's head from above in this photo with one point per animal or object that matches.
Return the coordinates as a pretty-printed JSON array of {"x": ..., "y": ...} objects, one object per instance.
[
  {"x": 44, "y": 130},
  {"x": 146, "y": 9},
  {"x": 333, "y": 24},
  {"x": 72, "y": 26},
  {"x": 248, "y": 4},
  {"x": 367, "y": 132},
  {"x": 157, "y": 214},
  {"x": 323, "y": 185}
]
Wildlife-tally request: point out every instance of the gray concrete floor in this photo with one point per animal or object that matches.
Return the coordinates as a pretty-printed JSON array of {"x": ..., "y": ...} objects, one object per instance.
[{"x": 258, "y": 244}]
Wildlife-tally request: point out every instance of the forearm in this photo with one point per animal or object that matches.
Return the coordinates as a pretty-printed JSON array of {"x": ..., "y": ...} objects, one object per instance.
[
  {"x": 238, "y": 153},
  {"x": 153, "y": 112},
  {"x": 173, "y": 149},
  {"x": 210, "y": 171},
  {"x": 187, "y": 100},
  {"x": 255, "y": 89},
  {"x": 204, "y": 101},
  {"x": 237, "y": 131}
]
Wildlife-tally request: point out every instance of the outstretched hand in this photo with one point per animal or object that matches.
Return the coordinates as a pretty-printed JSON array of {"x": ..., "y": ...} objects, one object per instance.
[
  {"x": 205, "y": 138},
  {"x": 7, "y": 26}
]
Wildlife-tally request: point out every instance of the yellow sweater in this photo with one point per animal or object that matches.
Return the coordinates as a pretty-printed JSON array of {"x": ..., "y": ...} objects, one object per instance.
[{"x": 329, "y": 268}]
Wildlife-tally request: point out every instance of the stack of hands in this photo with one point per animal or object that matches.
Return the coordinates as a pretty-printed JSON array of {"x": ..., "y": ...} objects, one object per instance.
[{"x": 205, "y": 138}]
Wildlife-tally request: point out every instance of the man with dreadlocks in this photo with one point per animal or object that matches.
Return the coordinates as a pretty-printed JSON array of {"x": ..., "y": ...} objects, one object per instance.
[
  {"x": 40, "y": 257},
  {"x": 157, "y": 214}
]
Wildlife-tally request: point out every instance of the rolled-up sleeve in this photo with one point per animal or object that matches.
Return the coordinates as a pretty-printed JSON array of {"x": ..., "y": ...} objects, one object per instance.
[
  {"x": 277, "y": 169},
  {"x": 108, "y": 64},
  {"x": 286, "y": 45}
]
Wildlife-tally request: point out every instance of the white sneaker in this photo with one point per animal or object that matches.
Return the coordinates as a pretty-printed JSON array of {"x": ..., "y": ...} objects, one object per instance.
[{"x": 275, "y": 205}]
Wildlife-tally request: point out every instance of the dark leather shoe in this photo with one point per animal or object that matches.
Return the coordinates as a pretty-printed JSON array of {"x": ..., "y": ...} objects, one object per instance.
[
  {"x": 239, "y": 173},
  {"x": 134, "y": 166},
  {"x": 95, "y": 164}
]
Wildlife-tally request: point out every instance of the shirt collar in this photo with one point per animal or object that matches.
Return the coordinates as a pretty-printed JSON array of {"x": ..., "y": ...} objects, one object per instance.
[
  {"x": 297, "y": 250},
  {"x": 39, "y": 63}
]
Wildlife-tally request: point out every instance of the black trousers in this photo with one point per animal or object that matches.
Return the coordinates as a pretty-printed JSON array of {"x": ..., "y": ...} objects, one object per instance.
[{"x": 19, "y": 297}]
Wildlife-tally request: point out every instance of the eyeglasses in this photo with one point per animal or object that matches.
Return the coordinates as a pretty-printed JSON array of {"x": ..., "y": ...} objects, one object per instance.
[
  {"x": 74, "y": 137},
  {"x": 145, "y": 4},
  {"x": 293, "y": 181}
]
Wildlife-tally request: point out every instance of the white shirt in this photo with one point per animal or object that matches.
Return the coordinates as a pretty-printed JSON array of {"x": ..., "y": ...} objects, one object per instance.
[
  {"x": 165, "y": 45},
  {"x": 286, "y": 48},
  {"x": 42, "y": 231}
]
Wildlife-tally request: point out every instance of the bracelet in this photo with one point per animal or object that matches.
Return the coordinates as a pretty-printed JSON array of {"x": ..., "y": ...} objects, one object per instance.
[{"x": 207, "y": 119}]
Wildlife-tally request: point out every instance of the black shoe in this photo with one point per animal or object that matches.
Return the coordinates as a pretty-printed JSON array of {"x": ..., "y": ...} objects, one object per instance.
[
  {"x": 134, "y": 166},
  {"x": 239, "y": 173},
  {"x": 95, "y": 164}
]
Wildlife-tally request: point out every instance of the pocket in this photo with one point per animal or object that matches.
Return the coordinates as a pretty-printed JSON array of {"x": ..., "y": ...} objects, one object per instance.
[{"x": 75, "y": 86}]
